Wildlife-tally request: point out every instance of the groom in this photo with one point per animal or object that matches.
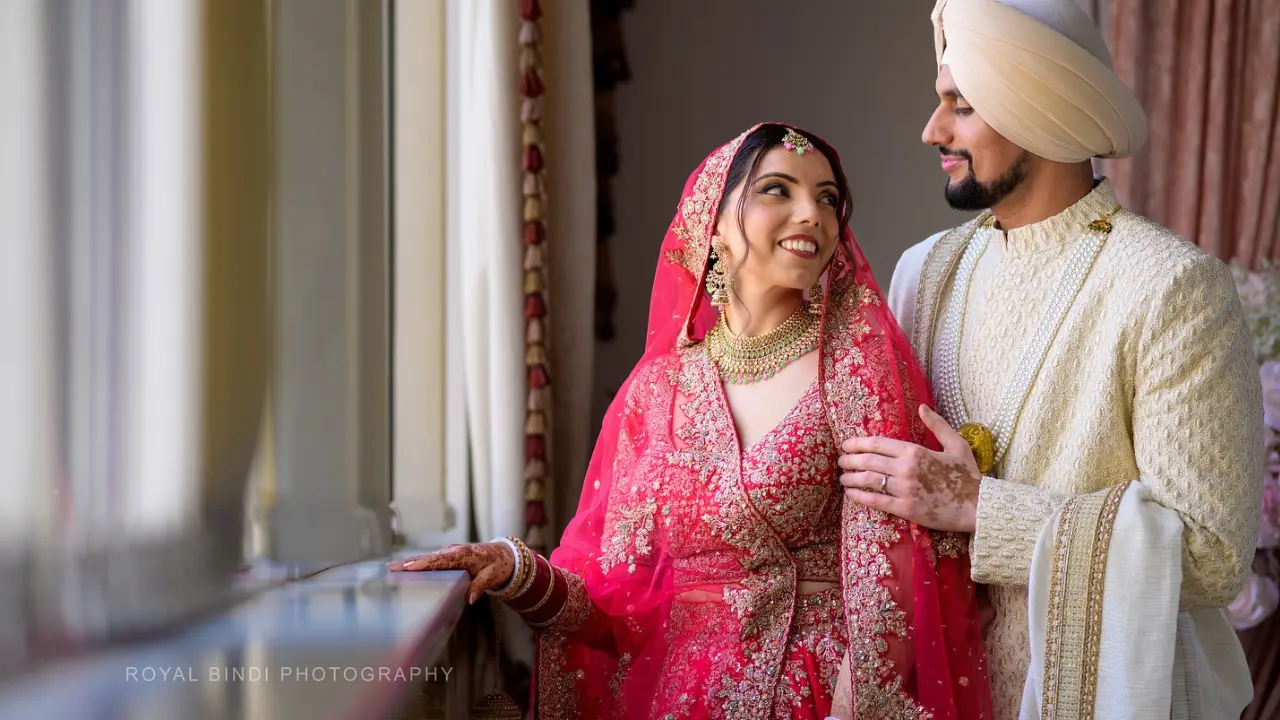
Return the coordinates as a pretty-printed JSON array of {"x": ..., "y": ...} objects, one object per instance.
[{"x": 1100, "y": 375}]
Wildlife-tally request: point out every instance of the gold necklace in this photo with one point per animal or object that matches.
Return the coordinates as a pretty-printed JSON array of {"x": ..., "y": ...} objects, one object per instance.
[{"x": 743, "y": 360}]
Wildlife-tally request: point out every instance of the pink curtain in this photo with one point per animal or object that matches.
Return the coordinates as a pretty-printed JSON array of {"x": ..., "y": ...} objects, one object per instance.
[{"x": 1208, "y": 73}]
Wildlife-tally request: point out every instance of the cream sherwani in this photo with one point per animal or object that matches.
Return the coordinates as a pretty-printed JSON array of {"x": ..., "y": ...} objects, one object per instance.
[{"x": 1150, "y": 378}]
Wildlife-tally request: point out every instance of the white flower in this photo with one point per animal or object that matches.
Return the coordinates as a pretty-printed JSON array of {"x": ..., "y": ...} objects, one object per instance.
[
  {"x": 1260, "y": 297},
  {"x": 1255, "y": 603},
  {"x": 1270, "y": 374}
]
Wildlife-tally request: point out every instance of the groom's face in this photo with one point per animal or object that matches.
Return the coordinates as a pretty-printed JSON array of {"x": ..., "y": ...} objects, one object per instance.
[{"x": 982, "y": 166}]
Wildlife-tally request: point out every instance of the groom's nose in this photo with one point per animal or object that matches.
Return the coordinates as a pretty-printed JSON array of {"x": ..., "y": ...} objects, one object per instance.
[{"x": 937, "y": 132}]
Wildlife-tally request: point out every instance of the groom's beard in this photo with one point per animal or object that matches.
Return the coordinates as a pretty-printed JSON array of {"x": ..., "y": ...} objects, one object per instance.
[{"x": 969, "y": 194}]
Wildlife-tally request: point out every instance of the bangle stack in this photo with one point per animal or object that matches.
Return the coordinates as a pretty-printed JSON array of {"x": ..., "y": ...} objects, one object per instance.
[
  {"x": 551, "y": 586},
  {"x": 526, "y": 566},
  {"x": 551, "y": 606}
]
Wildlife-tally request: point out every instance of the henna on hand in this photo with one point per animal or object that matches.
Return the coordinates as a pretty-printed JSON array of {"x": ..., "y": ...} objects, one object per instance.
[
  {"x": 943, "y": 484},
  {"x": 490, "y": 565},
  {"x": 938, "y": 490}
]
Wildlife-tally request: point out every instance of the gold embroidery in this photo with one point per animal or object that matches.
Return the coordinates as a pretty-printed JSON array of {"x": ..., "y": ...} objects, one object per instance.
[
  {"x": 620, "y": 676},
  {"x": 694, "y": 225},
  {"x": 1079, "y": 561},
  {"x": 685, "y": 256},
  {"x": 756, "y": 522},
  {"x": 856, "y": 361},
  {"x": 1074, "y": 623},
  {"x": 1097, "y": 583},
  {"x": 771, "y": 516},
  {"x": 764, "y": 598},
  {"x": 850, "y": 403},
  {"x": 633, "y": 505},
  {"x": 632, "y": 527},
  {"x": 696, "y": 222},
  {"x": 709, "y": 639},
  {"x": 555, "y": 683},
  {"x": 950, "y": 544},
  {"x": 1053, "y": 624}
]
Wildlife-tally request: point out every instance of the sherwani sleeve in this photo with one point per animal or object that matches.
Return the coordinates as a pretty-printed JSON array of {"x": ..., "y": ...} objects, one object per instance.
[{"x": 1197, "y": 438}]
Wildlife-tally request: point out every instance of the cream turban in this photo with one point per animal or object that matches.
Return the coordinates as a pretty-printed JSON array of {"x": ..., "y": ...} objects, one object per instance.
[{"x": 1039, "y": 73}]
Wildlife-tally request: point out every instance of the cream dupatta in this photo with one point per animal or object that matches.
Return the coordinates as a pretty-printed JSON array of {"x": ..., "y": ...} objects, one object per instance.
[{"x": 1107, "y": 637}]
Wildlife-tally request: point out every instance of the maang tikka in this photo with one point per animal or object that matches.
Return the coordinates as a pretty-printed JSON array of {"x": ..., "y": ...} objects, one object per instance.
[
  {"x": 717, "y": 279},
  {"x": 796, "y": 142}
]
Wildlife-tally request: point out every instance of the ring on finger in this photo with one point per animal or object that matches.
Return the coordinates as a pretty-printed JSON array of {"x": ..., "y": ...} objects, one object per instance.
[{"x": 884, "y": 485}]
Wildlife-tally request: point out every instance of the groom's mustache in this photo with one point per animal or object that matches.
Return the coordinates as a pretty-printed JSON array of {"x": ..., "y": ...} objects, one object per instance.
[{"x": 956, "y": 153}]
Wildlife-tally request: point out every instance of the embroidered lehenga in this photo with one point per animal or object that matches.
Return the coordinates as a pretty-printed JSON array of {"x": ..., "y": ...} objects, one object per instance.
[{"x": 677, "y": 587}]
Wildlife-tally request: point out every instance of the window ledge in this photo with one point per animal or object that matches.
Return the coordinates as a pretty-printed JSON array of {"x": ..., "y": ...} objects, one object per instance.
[{"x": 382, "y": 634}]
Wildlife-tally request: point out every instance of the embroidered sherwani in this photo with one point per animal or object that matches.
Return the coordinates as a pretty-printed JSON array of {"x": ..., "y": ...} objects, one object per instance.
[{"x": 1150, "y": 378}]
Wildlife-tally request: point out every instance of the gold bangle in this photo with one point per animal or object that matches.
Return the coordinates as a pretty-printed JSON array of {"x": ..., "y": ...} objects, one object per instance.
[
  {"x": 528, "y": 567},
  {"x": 551, "y": 586},
  {"x": 519, "y": 574},
  {"x": 530, "y": 560}
]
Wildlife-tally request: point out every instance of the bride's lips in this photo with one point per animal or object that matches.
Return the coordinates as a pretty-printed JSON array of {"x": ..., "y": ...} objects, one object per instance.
[{"x": 800, "y": 245}]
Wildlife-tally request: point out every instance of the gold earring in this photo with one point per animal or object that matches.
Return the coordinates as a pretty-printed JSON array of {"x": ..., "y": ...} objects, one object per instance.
[
  {"x": 718, "y": 282},
  {"x": 815, "y": 298}
]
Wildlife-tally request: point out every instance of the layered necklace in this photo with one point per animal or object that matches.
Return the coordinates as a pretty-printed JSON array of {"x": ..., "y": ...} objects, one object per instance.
[
  {"x": 990, "y": 442},
  {"x": 742, "y": 359}
]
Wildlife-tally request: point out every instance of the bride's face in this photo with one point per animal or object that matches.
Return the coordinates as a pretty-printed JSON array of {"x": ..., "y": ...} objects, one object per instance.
[{"x": 790, "y": 222}]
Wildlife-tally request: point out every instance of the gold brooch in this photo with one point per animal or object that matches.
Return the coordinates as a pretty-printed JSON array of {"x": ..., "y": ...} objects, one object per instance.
[{"x": 983, "y": 444}]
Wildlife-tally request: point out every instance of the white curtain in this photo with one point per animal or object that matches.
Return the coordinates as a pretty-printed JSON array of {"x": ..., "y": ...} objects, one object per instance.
[
  {"x": 484, "y": 194},
  {"x": 485, "y": 226},
  {"x": 27, "y": 360},
  {"x": 160, "y": 423}
]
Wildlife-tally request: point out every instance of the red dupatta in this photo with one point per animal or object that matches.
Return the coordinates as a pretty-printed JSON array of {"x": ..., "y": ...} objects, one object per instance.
[{"x": 914, "y": 635}]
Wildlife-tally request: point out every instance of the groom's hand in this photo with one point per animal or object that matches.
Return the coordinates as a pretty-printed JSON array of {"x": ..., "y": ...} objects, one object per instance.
[{"x": 937, "y": 490}]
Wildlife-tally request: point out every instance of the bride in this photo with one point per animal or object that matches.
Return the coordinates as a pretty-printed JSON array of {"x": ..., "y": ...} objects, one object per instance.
[{"x": 714, "y": 568}]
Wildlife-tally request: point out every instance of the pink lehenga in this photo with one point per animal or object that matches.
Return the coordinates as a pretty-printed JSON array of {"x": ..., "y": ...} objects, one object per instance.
[{"x": 676, "y": 590}]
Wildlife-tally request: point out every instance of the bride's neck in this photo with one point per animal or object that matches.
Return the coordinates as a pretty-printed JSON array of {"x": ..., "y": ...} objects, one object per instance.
[{"x": 756, "y": 313}]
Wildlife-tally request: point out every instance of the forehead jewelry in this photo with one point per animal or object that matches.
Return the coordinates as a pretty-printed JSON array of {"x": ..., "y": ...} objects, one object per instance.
[{"x": 797, "y": 142}]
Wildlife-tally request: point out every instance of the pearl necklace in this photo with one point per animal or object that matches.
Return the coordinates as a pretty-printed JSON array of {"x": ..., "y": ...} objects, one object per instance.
[{"x": 989, "y": 444}]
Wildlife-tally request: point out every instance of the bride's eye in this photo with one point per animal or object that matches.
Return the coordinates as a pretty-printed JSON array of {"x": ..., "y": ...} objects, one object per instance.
[
  {"x": 774, "y": 189},
  {"x": 831, "y": 199}
]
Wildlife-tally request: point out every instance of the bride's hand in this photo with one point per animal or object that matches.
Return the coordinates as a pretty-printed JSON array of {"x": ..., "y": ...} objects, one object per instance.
[{"x": 489, "y": 564}]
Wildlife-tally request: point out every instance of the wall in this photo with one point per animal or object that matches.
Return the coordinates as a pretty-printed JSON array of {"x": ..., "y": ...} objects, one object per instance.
[{"x": 858, "y": 73}]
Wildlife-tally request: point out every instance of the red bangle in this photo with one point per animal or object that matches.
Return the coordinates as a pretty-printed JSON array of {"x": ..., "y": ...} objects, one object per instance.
[
  {"x": 548, "y": 606},
  {"x": 536, "y": 588}
]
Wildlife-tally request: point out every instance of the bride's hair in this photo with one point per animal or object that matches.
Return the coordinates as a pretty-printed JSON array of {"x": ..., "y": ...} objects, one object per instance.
[{"x": 746, "y": 166}]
